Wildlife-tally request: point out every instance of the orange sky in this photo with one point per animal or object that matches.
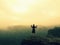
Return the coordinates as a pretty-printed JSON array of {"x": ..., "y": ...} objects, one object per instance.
[{"x": 27, "y": 12}]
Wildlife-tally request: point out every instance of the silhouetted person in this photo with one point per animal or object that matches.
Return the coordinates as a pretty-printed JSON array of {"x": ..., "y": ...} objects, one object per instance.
[{"x": 33, "y": 28}]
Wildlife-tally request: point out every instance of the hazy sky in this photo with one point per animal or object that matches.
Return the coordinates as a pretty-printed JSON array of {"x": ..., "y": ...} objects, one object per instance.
[{"x": 26, "y": 12}]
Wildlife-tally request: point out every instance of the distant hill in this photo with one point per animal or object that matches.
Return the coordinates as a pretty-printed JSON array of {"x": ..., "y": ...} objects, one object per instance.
[
  {"x": 55, "y": 32},
  {"x": 27, "y": 30}
]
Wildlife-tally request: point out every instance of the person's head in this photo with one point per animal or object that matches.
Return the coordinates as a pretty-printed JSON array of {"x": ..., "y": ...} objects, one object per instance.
[{"x": 34, "y": 24}]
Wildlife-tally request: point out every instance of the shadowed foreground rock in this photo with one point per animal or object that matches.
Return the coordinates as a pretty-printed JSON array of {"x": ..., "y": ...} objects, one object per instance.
[
  {"x": 38, "y": 42},
  {"x": 33, "y": 42}
]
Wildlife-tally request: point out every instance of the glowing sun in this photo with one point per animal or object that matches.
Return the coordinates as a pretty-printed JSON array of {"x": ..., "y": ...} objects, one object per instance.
[{"x": 20, "y": 9}]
